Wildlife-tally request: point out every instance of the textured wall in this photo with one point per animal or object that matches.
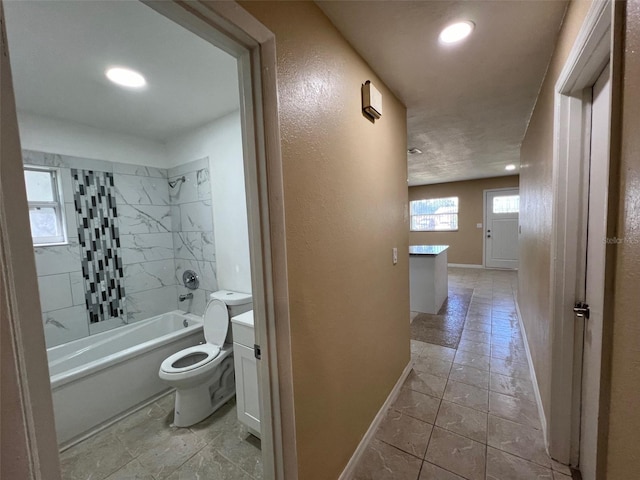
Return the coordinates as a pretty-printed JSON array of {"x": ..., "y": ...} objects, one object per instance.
[
  {"x": 465, "y": 245},
  {"x": 623, "y": 435},
  {"x": 536, "y": 162},
  {"x": 345, "y": 192}
]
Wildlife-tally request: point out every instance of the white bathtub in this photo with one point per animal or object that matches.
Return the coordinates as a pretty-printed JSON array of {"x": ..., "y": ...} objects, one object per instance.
[{"x": 99, "y": 379}]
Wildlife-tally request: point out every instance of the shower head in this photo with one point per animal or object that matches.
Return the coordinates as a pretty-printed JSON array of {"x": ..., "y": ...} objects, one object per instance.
[{"x": 176, "y": 181}]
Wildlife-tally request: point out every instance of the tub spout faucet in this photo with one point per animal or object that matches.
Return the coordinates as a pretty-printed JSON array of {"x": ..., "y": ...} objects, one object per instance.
[{"x": 187, "y": 296}]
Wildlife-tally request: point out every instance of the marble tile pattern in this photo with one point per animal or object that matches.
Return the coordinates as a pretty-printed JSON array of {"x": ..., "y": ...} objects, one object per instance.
[
  {"x": 163, "y": 231},
  {"x": 192, "y": 230},
  {"x": 467, "y": 412},
  {"x": 146, "y": 446}
]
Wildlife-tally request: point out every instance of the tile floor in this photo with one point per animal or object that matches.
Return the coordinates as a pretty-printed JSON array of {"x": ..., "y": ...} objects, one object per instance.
[
  {"x": 146, "y": 446},
  {"x": 467, "y": 412}
]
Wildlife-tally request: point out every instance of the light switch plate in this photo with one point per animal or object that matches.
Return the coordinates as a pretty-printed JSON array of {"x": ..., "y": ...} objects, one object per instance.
[
  {"x": 478, "y": 225},
  {"x": 395, "y": 255}
]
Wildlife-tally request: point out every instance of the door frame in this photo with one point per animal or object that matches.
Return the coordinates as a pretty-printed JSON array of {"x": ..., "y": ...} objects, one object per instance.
[
  {"x": 591, "y": 51},
  {"x": 485, "y": 194},
  {"x": 233, "y": 29}
]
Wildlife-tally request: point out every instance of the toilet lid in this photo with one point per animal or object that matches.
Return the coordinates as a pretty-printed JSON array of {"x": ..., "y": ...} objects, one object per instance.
[{"x": 216, "y": 322}]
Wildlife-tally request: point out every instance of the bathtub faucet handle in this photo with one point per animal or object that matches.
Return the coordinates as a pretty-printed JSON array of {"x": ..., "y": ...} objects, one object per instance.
[{"x": 186, "y": 296}]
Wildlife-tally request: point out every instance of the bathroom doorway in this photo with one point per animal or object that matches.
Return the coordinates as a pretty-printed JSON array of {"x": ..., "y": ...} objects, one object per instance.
[{"x": 251, "y": 47}]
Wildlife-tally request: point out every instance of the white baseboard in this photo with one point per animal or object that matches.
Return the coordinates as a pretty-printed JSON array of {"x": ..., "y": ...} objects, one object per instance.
[
  {"x": 464, "y": 265},
  {"x": 534, "y": 380},
  {"x": 349, "y": 470}
]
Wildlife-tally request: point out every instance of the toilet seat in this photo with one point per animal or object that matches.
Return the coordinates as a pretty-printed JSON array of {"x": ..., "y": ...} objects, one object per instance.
[
  {"x": 216, "y": 324},
  {"x": 211, "y": 352}
]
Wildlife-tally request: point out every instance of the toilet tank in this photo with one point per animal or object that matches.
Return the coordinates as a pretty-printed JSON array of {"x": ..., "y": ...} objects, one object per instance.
[{"x": 237, "y": 302}]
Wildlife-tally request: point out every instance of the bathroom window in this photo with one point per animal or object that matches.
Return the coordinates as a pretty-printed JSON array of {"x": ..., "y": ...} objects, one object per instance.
[
  {"x": 46, "y": 210},
  {"x": 434, "y": 214}
]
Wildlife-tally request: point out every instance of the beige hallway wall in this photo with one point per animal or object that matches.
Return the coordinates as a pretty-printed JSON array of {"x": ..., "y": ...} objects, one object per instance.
[
  {"x": 621, "y": 348},
  {"x": 536, "y": 158},
  {"x": 465, "y": 245},
  {"x": 345, "y": 182}
]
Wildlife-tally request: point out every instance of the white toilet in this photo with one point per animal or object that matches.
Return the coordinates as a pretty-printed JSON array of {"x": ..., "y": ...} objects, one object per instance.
[{"x": 203, "y": 375}]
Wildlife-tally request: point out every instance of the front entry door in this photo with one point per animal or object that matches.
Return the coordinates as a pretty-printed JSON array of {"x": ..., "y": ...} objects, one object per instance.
[
  {"x": 594, "y": 281},
  {"x": 501, "y": 209}
]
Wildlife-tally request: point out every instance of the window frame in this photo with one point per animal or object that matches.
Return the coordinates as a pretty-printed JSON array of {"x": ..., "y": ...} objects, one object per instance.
[
  {"x": 57, "y": 204},
  {"x": 456, "y": 213}
]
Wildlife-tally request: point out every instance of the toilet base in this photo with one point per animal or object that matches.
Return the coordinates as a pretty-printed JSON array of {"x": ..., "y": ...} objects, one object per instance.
[{"x": 196, "y": 403}]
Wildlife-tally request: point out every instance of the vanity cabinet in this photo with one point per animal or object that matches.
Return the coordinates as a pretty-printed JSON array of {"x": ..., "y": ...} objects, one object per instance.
[{"x": 246, "y": 369}]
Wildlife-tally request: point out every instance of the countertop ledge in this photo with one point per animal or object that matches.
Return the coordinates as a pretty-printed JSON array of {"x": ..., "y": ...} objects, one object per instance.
[{"x": 427, "y": 249}]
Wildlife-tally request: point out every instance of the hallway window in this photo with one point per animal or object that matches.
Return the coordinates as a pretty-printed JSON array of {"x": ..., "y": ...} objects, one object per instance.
[
  {"x": 45, "y": 206},
  {"x": 435, "y": 214}
]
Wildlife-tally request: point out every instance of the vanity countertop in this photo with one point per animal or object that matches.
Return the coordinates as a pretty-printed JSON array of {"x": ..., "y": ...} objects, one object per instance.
[
  {"x": 244, "y": 319},
  {"x": 427, "y": 249}
]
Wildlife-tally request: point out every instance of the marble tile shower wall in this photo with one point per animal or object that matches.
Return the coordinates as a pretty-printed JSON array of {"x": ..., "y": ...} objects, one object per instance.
[
  {"x": 193, "y": 242},
  {"x": 162, "y": 233}
]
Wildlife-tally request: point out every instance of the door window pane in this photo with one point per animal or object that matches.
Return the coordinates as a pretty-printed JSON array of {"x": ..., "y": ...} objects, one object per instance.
[{"x": 506, "y": 204}]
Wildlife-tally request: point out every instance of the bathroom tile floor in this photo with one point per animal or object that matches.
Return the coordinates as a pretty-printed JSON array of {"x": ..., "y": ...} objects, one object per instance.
[
  {"x": 146, "y": 446},
  {"x": 467, "y": 412}
]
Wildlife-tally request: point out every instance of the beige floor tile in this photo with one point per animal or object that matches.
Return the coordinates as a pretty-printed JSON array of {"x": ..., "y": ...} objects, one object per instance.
[
  {"x": 510, "y": 369},
  {"x": 168, "y": 402},
  {"x": 476, "y": 326},
  {"x": 433, "y": 472},
  {"x": 503, "y": 466},
  {"x": 464, "y": 421},
  {"x": 163, "y": 459},
  {"x": 507, "y": 341},
  {"x": 513, "y": 386},
  {"x": 467, "y": 395},
  {"x": 469, "y": 375},
  {"x": 456, "y": 454},
  {"x": 404, "y": 432},
  {"x": 514, "y": 409},
  {"x": 416, "y": 347},
  {"x": 242, "y": 448},
  {"x": 560, "y": 476},
  {"x": 95, "y": 458},
  {"x": 439, "y": 352},
  {"x": 208, "y": 463},
  {"x": 434, "y": 366},
  {"x": 425, "y": 383},
  {"x": 471, "y": 359},
  {"x": 520, "y": 440},
  {"x": 474, "y": 347},
  {"x": 479, "y": 337},
  {"x": 417, "y": 405},
  {"x": 560, "y": 468},
  {"x": 133, "y": 470},
  {"x": 384, "y": 462}
]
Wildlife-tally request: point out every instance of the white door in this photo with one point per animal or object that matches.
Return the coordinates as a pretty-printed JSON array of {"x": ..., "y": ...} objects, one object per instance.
[
  {"x": 501, "y": 209},
  {"x": 594, "y": 281}
]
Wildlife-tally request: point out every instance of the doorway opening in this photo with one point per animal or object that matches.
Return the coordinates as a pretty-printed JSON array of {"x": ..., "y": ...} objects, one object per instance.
[
  {"x": 248, "y": 45},
  {"x": 580, "y": 178}
]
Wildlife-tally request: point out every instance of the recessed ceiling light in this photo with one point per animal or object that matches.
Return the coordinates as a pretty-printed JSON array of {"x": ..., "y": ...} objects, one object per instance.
[
  {"x": 456, "y": 32},
  {"x": 414, "y": 151},
  {"x": 125, "y": 77},
  {"x": 510, "y": 167}
]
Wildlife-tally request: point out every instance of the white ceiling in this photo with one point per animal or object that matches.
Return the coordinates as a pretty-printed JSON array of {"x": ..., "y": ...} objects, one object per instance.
[
  {"x": 60, "y": 49},
  {"x": 467, "y": 104}
]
